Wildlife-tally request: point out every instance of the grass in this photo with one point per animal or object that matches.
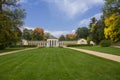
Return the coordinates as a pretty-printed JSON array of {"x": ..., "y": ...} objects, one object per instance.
[
  {"x": 110, "y": 50},
  {"x": 10, "y": 49},
  {"x": 57, "y": 64}
]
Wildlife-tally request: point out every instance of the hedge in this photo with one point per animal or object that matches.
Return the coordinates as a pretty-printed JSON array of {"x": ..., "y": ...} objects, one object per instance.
[
  {"x": 24, "y": 46},
  {"x": 105, "y": 43},
  {"x": 78, "y": 45}
]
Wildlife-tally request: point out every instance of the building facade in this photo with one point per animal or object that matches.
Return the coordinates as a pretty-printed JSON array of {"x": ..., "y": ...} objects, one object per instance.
[{"x": 54, "y": 43}]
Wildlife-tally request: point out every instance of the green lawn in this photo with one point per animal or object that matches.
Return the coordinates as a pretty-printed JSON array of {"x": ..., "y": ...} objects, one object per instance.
[
  {"x": 110, "y": 50},
  {"x": 10, "y": 49},
  {"x": 57, "y": 64}
]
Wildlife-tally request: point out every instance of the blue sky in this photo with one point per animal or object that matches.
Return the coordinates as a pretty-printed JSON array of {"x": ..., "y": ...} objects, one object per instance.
[{"x": 60, "y": 16}]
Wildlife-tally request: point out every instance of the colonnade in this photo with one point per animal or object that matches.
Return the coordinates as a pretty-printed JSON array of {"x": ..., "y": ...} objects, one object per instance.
[
  {"x": 52, "y": 43},
  {"x": 38, "y": 43}
]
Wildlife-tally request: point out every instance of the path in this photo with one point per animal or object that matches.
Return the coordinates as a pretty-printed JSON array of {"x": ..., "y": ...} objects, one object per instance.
[
  {"x": 117, "y": 46},
  {"x": 103, "y": 55},
  {"x": 5, "y": 53}
]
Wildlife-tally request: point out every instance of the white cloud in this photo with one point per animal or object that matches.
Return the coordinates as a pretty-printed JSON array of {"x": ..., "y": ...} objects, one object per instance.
[
  {"x": 54, "y": 33},
  {"x": 70, "y": 8},
  {"x": 73, "y": 7},
  {"x": 58, "y": 33},
  {"x": 23, "y": 1},
  {"x": 85, "y": 22},
  {"x": 73, "y": 31},
  {"x": 30, "y": 2},
  {"x": 29, "y": 27}
]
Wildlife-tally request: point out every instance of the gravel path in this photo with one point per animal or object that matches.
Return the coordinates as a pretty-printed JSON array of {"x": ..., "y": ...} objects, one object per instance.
[
  {"x": 117, "y": 46},
  {"x": 11, "y": 52},
  {"x": 100, "y": 54}
]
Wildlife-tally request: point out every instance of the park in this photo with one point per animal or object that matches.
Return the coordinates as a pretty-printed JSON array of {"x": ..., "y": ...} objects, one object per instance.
[
  {"x": 54, "y": 52},
  {"x": 57, "y": 64}
]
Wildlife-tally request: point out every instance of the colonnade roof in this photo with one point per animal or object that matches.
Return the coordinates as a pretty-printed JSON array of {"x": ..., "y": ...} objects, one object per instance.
[{"x": 37, "y": 41}]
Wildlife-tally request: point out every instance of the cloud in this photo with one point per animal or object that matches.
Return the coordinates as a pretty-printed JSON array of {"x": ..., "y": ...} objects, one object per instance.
[
  {"x": 27, "y": 27},
  {"x": 73, "y": 7},
  {"x": 30, "y": 2},
  {"x": 85, "y": 22},
  {"x": 23, "y": 1},
  {"x": 70, "y": 8},
  {"x": 57, "y": 33},
  {"x": 54, "y": 33}
]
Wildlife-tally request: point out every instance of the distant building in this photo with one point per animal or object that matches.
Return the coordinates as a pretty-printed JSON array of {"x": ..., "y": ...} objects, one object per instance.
[
  {"x": 54, "y": 42},
  {"x": 82, "y": 41}
]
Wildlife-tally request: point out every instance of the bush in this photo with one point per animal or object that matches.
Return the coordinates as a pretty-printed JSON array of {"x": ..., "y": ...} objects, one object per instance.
[
  {"x": 78, "y": 45},
  {"x": 2, "y": 47},
  {"x": 24, "y": 46},
  {"x": 105, "y": 43}
]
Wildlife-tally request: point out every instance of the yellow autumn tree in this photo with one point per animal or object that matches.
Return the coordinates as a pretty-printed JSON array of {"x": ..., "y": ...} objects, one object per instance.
[
  {"x": 112, "y": 29},
  {"x": 71, "y": 36}
]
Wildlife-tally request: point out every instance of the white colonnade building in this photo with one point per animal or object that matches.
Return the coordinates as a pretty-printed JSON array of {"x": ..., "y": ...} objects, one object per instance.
[{"x": 54, "y": 42}]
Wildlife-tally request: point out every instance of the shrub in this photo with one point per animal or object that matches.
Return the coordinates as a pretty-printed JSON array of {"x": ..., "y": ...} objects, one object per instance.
[
  {"x": 24, "y": 46},
  {"x": 78, "y": 45},
  {"x": 105, "y": 43},
  {"x": 2, "y": 47}
]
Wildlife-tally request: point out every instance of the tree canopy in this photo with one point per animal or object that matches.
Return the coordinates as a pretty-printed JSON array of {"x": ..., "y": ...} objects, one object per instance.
[
  {"x": 11, "y": 19},
  {"x": 111, "y": 7},
  {"x": 82, "y": 32},
  {"x": 38, "y": 34},
  {"x": 71, "y": 37},
  {"x": 62, "y": 38},
  {"x": 112, "y": 29}
]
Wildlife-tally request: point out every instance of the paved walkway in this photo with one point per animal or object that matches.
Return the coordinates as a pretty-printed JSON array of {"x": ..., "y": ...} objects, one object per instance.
[
  {"x": 11, "y": 52},
  {"x": 103, "y": 55},
  {"x": 117, "y": 46}
]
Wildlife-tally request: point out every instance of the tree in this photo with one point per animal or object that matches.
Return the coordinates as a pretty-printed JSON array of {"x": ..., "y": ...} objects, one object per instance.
[
  {"x": 62, "y": 38},
  {"x": 98, "y": 32},
  {"x": 111, "y": 7},
  {"x": 6, "y": 31},
  {"x": 8, "y": 3},
  {"x": 92, "y": 22},
  {"x": 70, "y": 36},
  {"x": 27, "y": 34},
  {"x": 82, "y": 32},
  {"x": 17, "y": 35},
  {"x": 11, "y": 12},
  {"x": 38, "y": 34},
  {"x": 47, "y": 35},
  {"x": 112, "y": 29}
]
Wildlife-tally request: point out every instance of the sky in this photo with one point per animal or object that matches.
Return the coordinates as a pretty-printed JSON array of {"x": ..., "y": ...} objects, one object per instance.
[{"x": 60, "y": 17}]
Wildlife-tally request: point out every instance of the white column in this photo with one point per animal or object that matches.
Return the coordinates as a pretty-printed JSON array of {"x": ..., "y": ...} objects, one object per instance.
[
  {"x": 53, "y": 43},
  {"x": 50, "y": 43}
]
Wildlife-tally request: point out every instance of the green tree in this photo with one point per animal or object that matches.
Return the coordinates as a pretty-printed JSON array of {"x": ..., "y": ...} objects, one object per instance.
[
  {"x": 89, "y": 39},
  {"x": 27, "y": 34},
  {"x": 8, "y": 3},
  {"x": 62, "y": 38},
  {"x": 47, "y": 35},
  {"x": 111, "y": 7},
  {"x": 112, "y": 29},
  {"x": 12, "y": 13},
  {"x": 98, "y": 33},
  {"x": 6, "y": 31},
  {"x": 82, "y": 32}
]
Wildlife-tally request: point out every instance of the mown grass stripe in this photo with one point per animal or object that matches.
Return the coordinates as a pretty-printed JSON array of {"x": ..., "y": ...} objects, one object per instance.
[{"x": 58, "y": 64}]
